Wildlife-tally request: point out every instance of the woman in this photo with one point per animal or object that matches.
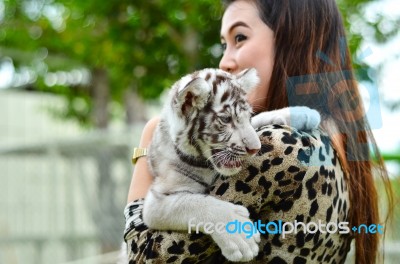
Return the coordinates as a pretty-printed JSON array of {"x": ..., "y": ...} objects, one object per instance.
[{"x": 281, "y": 39}]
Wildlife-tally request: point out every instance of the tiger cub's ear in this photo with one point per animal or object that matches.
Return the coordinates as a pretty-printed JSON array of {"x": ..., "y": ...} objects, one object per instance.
[
  {"x": 248, "y": 79},
  {"x": 194, "y": 95}
]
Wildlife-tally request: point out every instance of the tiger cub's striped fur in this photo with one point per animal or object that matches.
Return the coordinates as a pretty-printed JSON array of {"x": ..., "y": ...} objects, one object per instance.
[{"x": 205, "y": 129}]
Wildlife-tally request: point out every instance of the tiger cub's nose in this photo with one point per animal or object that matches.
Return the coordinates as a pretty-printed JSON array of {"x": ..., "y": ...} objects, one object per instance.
[{"x": 252, "y": 151}]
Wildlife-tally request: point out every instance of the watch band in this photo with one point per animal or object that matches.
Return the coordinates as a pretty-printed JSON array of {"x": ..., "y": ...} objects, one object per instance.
[{"x": 137, "y": 153}]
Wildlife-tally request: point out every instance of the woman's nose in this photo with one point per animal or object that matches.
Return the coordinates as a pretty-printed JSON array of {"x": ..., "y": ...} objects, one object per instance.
[{"x": 227, "y": 63}]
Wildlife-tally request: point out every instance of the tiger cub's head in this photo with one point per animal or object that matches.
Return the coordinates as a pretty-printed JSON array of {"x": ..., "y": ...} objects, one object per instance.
[{"x": 210, "y": 117}]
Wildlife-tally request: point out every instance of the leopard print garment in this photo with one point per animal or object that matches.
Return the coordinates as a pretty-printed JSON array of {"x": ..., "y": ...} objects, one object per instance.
[{"x": 295, "y": 176}]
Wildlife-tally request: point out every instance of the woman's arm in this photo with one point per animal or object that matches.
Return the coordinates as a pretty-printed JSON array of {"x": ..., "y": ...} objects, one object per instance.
[
  {"x": 142, "y": 178},
  {"x": 145, "y": 245}
]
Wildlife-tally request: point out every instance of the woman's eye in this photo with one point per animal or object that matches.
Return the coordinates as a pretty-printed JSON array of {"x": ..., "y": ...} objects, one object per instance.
[
  {"x": 240, "y": 37},
  {"x": 225, "y": 119}
]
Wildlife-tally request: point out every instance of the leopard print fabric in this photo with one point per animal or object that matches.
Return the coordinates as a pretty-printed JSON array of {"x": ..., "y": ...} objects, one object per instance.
[{"x": 295, "y": 176}]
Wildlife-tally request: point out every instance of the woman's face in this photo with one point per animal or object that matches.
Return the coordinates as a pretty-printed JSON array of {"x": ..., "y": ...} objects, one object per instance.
[{"x": 248, "y": 43}]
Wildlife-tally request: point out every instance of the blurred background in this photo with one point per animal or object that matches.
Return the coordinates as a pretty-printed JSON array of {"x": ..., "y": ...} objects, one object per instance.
[{"x": 78, "y": 80}]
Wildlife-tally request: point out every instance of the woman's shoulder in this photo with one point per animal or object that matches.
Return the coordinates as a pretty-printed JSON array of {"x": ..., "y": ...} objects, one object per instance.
[
  {"x": 148, "y": 131},
  {"x": 151, "y": 124}
]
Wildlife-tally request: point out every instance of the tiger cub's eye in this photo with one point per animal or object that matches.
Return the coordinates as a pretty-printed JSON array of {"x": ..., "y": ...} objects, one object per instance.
[{"x": 225, "y": 119}]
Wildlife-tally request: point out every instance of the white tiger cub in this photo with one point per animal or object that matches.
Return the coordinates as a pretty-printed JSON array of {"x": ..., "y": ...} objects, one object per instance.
[{"x": 204, "y": 130}]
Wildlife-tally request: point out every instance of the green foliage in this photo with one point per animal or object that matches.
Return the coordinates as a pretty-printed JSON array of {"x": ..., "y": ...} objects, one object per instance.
[
  {"x": 377, "y": 27},
  {"x": 142, "y": 45}
]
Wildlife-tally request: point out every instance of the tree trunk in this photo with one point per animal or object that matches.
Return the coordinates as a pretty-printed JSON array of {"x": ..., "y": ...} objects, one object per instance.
[
  {"x": 104, "y": 215},
  {"x": 191, "y": 48},
  {"x": 101, "y": 95},
  {"x": 134, "y": 107}
]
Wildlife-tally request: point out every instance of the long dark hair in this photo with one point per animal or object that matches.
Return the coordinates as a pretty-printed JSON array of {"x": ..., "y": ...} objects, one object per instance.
[{"x": 311, "y": 49}]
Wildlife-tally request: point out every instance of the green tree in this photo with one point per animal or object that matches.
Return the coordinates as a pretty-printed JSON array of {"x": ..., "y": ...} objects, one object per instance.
[
  {"x": 359, "y": 26},
  {"x": 132, "y": 48}
]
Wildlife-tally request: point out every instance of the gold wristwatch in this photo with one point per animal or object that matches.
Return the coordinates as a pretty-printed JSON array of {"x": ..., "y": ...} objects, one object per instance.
[{"x": 137, "y": 153}]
